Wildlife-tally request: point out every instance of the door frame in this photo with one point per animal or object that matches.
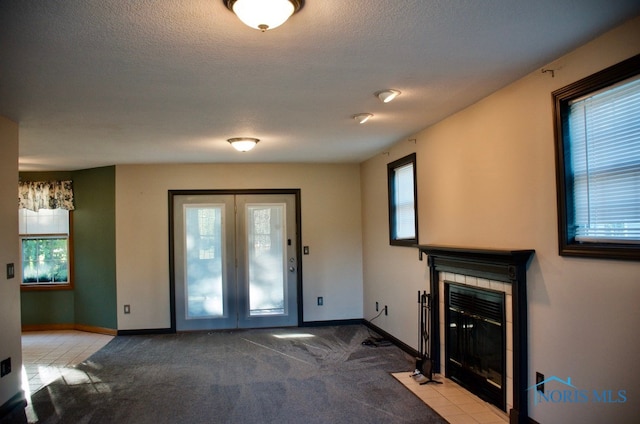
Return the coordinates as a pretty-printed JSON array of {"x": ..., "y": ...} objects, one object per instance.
[{"x": 298, "y": 216}]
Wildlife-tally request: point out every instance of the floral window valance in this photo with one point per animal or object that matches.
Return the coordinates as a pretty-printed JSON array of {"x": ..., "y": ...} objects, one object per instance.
[{"x": 36, "y": 195}]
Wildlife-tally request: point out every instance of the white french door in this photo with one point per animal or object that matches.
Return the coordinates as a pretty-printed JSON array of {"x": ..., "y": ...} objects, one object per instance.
[{"x": 235, "y": 261}]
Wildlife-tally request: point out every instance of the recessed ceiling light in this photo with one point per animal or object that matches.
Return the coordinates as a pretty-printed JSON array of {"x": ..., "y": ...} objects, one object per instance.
[
  {"x": 243, "y": 144},
  {"x": 387, "y": 95},
  {"x": 362, "y": 117}
]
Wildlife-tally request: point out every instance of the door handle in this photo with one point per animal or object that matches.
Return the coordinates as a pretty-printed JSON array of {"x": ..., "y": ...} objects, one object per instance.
[{"x": 291, "y": 269}]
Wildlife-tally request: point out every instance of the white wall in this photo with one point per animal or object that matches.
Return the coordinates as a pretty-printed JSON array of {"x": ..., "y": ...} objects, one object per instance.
[
  {"x": 486, "y": 178},
  {"x": 10, "y": 341},
  {"x": 331, "y": 227}
]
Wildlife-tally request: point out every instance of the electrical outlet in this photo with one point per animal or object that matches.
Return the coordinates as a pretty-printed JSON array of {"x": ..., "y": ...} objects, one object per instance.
[
  {"x": 377, "y": 307},
  {"x": 386, "y": 311},
  {"x": 539, "y": 382},
  {"x": 127, "y": 309},
  {"x": 320, "y": 301},
  {"x": 5, "y": 367}
]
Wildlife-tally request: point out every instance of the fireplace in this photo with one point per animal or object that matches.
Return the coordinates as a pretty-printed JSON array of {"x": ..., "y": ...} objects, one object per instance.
[
  {"x": 475, "y": 342},
  {"x": 476, "y": 276}
]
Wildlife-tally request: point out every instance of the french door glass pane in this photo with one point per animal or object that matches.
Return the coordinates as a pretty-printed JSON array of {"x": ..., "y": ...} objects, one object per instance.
[
  {"x": 204, "y": 258},
  {"x": 267, "y": 259}
]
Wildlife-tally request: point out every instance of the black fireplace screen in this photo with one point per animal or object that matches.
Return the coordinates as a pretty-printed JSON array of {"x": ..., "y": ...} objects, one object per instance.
[{"x": 475, "y": 341}]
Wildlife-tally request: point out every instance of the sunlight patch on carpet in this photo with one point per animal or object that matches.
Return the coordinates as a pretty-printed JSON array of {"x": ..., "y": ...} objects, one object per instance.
[{"x": 293, "y": 336}]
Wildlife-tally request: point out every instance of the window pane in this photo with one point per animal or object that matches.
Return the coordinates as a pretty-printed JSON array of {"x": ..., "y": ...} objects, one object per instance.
[
  {"x": 267, "y": 260},
  {"x": 604, "y": 137},
  {"x": 403, "y": 224},
  {"x": 404, "y": 203},
  {"x": 45, "y": 246},
  {"x": 204, "y": 258},
  {"x": 597, "y": 127},
  {"x": 44, "y": 261}
]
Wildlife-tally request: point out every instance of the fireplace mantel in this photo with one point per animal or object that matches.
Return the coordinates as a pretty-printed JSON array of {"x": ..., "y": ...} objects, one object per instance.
[
  {"x": 500, "y": 265},
  {"x": 508, "y": 266}
]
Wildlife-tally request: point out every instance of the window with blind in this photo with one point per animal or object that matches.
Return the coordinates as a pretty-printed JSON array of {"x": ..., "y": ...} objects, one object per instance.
[
  {"x": 403, "y": 222},
  {"x": 45, "y": 253},
  {"x": 598, "y": 163}
]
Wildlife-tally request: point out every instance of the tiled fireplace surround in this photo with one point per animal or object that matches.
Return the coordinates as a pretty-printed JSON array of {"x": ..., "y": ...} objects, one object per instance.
[
  {"x": 498, "y": 270},
  {"x": 481, "y": 283}
]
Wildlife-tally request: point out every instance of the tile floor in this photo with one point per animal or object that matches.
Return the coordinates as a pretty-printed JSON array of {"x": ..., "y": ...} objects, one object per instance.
[
  {"x": 452, "y": 402},
  {"x": 49, "y": 355}
]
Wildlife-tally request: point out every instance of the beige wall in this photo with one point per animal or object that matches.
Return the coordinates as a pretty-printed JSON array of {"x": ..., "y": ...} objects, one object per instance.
[
  {"x": 330, "y": 197},
  {"x": 10, "y": 342},
  {"x": 486, "y": 178},
  {"x": 392, "y": 275}
]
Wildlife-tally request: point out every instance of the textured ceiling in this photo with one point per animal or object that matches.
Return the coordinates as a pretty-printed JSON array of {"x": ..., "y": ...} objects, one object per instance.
[{"x": 103, "y": 82}]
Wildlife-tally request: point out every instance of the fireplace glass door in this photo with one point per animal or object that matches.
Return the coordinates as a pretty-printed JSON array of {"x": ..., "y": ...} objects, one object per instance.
[{"x": 475, "y": 341}]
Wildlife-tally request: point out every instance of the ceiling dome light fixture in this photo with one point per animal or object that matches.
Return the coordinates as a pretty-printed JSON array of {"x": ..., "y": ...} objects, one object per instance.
[
  {"x": 362, "y": 117},
  {"x": 263, "y": 14},
  {"x": 243, "y": 144},
  {"x": 386, "y": 96}
]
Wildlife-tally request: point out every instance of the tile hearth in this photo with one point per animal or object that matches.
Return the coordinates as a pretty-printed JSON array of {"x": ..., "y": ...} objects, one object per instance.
[{"x": 452, "y": 402}]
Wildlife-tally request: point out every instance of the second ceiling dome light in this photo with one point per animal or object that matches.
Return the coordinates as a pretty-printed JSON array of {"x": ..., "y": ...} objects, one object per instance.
[{"x": 243, "y": 144}]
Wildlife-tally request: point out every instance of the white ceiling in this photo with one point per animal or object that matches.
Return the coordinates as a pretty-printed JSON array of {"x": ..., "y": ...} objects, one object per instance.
[{"x": 103, "y": 82}]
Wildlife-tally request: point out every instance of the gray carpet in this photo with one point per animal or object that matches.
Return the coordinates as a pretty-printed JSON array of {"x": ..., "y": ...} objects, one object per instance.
[{"x": 237, "y": 377}]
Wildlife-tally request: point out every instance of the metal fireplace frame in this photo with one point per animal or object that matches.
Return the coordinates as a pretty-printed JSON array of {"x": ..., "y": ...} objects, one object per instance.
[
  {"x": 459, "y": 369},
  {"x": 508, "y": 266}
]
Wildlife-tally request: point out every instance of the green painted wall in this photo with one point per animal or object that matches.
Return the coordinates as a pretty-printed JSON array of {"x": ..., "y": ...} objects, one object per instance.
[
  {"x": 47, "y": 307},
  {"x": 95, "y": 247},
  {"x": 52, "y": 306},
  {"x": 92, "y": 302}
]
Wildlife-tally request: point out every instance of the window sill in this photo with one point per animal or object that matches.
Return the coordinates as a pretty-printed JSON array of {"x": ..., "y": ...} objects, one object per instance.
[
  {"x": 45, "y": 287},
  {"x": 601, "y": 251},
  {"x": 406, "y": 243}
]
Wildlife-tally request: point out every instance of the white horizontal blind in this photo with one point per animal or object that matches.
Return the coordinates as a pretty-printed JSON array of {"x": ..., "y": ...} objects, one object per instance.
[
  {"x": 404, "y": 202},
  {"x": 604, "y": 137},
  {"x": 45, "y": 221},
  {"x": 44, "y": 243}
]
